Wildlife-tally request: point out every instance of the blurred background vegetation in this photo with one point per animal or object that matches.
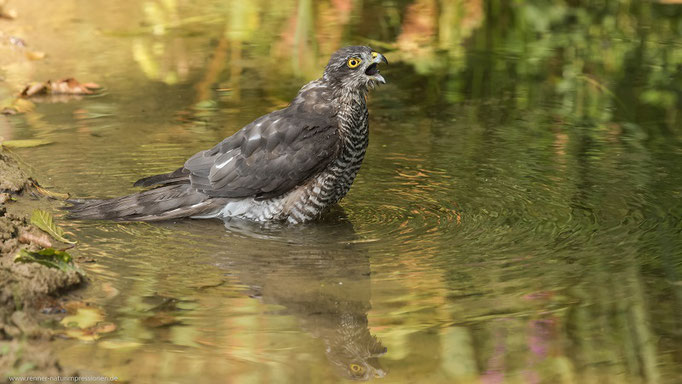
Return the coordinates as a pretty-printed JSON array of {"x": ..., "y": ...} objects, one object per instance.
[{"x": 599, "y": 61}]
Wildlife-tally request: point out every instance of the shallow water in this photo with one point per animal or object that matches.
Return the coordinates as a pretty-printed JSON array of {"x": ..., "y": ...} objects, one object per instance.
[{"x": 516, "y": 220}]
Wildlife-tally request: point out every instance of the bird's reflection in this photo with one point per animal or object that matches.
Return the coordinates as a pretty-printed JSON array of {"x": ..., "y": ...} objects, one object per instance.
[{"x": 321, "y": 275}]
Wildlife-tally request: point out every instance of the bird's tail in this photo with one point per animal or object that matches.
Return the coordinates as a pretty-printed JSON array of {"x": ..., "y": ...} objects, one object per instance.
[{"x": 163, "y": 203}]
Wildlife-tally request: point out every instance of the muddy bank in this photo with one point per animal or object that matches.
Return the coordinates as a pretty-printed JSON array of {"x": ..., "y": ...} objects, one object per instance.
[{"x": 26, "y": 290}]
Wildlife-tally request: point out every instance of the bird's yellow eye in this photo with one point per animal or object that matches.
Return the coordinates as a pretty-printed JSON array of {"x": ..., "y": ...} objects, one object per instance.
[
  {"x": 356, "y": 368},
  {"x": 353, "y": 62}
]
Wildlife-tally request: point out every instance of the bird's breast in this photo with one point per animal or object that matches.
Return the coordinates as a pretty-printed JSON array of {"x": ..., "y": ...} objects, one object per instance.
[{"x": 324, "y": 189}]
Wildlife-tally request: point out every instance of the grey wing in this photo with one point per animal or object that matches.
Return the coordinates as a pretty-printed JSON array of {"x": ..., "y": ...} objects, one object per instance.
[{"x": 268, "y": 157}]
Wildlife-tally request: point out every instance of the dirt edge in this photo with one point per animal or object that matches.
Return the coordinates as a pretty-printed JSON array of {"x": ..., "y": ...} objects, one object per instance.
[{"x": 25, "y": 289}]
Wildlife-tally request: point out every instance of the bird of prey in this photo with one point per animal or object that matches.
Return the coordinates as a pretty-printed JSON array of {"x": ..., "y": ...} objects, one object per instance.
[{"x": 287, "y": 166}]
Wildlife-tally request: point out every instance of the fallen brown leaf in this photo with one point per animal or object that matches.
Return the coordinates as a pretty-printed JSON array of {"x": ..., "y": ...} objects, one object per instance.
[
  {"x": 39, "y": 239},
  {"x": 50, "y": 194},
  {"x": 34, "y": 89},
  {"x": 73, "y": 87},
  {"x": 68, "y": 86}
]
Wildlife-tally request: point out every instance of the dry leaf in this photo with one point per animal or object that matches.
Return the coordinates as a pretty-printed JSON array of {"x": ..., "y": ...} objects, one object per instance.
[
  {"x": 34, "y": 89},
  {"x": 69, "y": 86},
  {"x": 41, "y": 239},
  {"x": 50, "y": 194},
  {"x": 72, "y": 87}
]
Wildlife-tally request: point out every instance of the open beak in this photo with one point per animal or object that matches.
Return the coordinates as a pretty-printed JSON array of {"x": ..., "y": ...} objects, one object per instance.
[{"x": 373, "y": 69}]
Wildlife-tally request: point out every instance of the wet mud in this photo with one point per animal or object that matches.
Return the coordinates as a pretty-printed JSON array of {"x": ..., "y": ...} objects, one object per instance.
[{"x": 29, "y": 293}]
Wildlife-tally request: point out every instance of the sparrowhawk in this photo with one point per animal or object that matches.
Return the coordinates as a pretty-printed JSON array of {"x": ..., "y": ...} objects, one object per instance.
[{"x": 289, "y": 165}]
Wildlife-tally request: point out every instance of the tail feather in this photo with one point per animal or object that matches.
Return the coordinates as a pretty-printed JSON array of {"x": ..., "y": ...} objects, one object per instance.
[
  {"x": 163, "y": 203},
  {"x": 177, "y": 176}
]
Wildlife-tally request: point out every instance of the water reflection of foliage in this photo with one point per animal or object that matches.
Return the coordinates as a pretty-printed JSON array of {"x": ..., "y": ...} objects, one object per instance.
[
  {"x": 581, "y": 55},
  {"x": 606, "y": 76}
]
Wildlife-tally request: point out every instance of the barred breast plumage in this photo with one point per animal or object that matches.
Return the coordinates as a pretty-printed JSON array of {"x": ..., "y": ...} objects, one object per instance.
[{"x": 289, "y": 165}]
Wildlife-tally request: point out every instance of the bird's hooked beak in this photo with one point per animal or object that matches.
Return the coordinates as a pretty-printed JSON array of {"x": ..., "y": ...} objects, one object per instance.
[{"x": 373, "y": 69}]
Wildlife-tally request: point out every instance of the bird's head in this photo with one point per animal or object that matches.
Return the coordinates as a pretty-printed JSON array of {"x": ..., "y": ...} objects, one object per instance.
[{"x": 355, "y": 68}]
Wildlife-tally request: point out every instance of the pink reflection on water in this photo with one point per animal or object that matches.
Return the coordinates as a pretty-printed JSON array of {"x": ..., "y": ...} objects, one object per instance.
[{"x": 494, "y": 373}]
